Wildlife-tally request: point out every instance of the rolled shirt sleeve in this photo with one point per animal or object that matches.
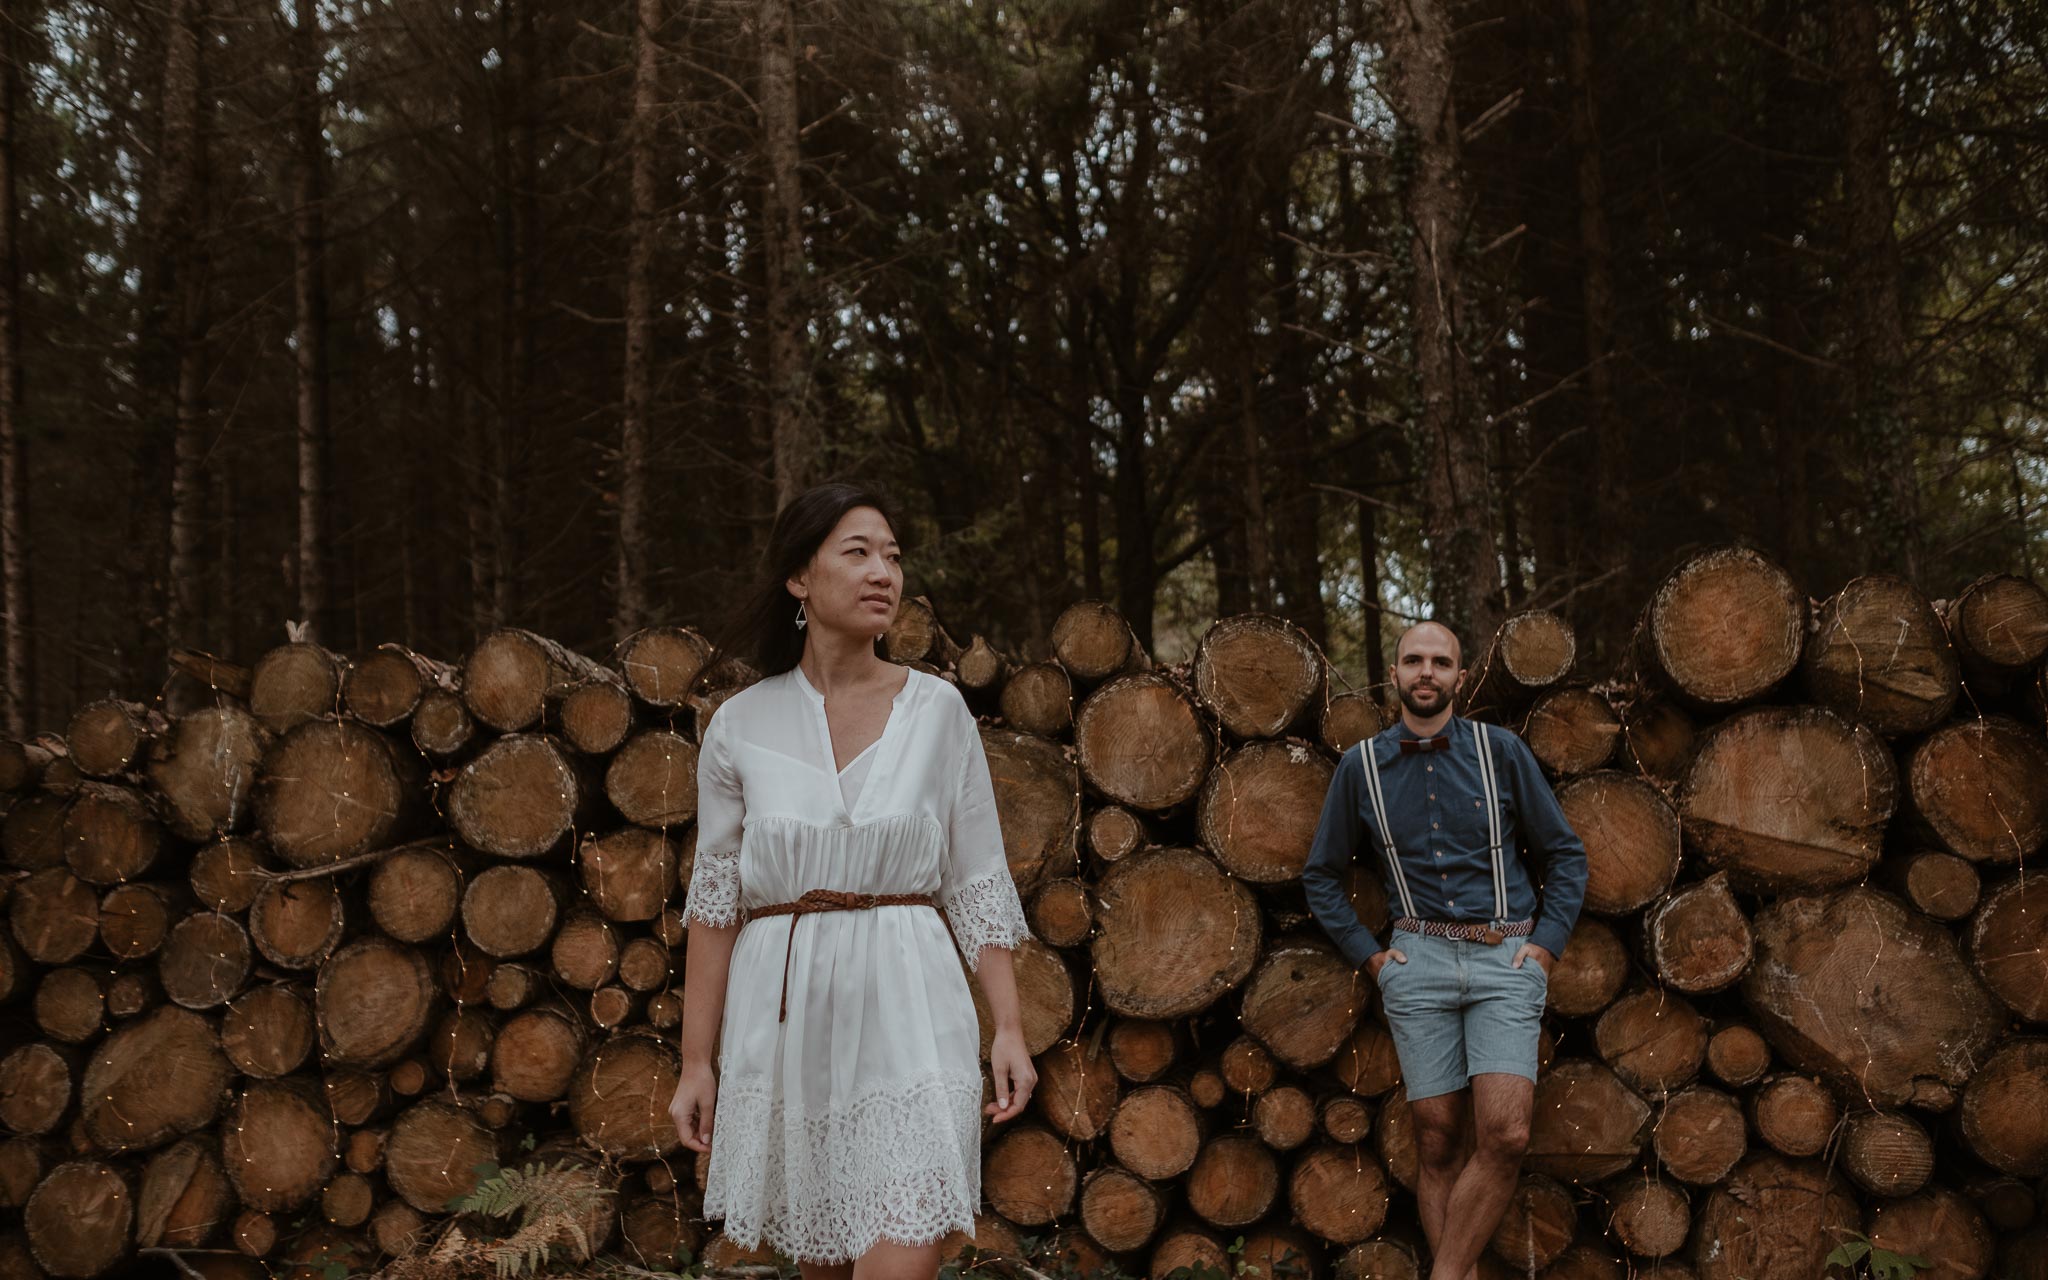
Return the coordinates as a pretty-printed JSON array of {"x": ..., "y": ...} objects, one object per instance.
[
  {"x": 1341, "y": 836},
  {"x": 1551, "y": 841}
]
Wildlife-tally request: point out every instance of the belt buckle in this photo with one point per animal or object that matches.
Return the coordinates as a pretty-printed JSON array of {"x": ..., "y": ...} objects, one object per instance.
[{"x": 1491, "y": 936}]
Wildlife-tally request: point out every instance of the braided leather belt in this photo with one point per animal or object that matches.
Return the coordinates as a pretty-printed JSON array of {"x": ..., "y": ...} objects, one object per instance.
[
  {"x": 817, "y": 900},
  {"x": 1466, "y": 931}
]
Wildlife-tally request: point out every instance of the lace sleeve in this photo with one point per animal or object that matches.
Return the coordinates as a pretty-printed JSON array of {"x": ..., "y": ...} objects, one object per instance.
[
  {"x": 976, "y": 889},
  {"x": 714, "y": 896},
  {"x": 985, "y": 912}
]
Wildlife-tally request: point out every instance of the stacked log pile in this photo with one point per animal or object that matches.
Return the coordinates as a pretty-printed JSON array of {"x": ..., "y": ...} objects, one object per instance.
[{"x": 281, "y": 974}]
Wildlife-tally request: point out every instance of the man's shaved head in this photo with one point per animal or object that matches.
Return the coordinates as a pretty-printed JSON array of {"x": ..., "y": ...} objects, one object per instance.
[{"x": 1435, "y": 628}]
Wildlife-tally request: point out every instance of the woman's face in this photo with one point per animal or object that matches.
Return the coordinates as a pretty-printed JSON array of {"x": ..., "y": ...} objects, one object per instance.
[{"x": 855, "y": 581}]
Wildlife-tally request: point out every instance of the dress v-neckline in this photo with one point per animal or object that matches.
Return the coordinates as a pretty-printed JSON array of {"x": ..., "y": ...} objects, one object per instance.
[{"x": 832, "y": 767}]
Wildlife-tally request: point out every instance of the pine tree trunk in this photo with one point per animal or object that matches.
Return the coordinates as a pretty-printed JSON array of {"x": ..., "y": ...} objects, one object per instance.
[
  {"x": 17, "y": 667},
  {"x": 309, "y": 279},
  {"x": 792, "y": 434},
  {"x": 634, "y": 609}
]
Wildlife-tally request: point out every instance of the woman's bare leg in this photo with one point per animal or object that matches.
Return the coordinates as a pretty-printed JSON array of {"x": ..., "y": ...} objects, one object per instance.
[
  {"x": 887, "y": 1261},
  {"x": 826, "y": 1270}
]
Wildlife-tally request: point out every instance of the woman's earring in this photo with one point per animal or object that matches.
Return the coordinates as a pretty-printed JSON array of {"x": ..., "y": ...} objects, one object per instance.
[{"x": 801, "y": 621}]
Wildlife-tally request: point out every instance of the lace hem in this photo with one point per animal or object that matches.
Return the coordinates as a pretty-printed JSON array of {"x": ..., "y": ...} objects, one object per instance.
[
  {"x": 986, "y": 913},
  {"x": 714, "y": 895},
  {"x": 901, "y": 1163}
]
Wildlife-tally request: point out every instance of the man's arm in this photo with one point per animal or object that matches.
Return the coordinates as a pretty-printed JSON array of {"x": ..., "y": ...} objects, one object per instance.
[
  {"x": 1551, "y": 839},
  {"x": 1340, "y": 834}
]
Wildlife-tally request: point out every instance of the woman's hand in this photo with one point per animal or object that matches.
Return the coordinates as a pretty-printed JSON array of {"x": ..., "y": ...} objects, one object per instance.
[
  {"x": 1015, "y": 1077},
  {"x": 696, "y": 1096}
]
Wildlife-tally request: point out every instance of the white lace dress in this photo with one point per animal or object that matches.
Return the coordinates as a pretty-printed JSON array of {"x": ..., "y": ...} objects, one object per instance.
[{"x": 858, "y": 1118}]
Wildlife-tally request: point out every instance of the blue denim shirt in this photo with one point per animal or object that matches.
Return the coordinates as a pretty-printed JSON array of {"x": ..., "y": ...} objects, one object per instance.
[{"x": 1434, "y": 804}]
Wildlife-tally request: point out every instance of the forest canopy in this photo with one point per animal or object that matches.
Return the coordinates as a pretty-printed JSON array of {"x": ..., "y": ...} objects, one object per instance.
[{"x": 405, "y": 321}]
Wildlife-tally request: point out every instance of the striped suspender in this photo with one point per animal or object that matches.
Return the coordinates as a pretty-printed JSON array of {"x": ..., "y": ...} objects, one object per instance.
[
  {"x": 1488, "y": 783},
  {"x": 1379, "y": 815}
]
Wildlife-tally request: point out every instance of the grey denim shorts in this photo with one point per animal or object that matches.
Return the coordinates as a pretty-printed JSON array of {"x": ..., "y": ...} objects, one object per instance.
[{"x": 1459, "y": 1009}]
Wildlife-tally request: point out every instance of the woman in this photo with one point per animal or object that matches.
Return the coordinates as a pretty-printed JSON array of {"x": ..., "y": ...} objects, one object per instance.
[{"x": 848, "y": 1092}]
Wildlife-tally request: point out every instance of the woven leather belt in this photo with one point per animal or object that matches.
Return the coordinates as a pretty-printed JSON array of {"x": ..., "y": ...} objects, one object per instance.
[
  {"x": 1468, "y": 931},
  {"x": 818, "y": 900}
]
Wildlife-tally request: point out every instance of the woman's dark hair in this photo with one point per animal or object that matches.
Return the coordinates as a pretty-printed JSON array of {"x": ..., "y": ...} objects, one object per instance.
[{"x": 763, "y": 632}]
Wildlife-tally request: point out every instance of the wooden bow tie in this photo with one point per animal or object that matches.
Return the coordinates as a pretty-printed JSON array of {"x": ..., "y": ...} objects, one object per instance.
[{"x": 1441, "y": 742}]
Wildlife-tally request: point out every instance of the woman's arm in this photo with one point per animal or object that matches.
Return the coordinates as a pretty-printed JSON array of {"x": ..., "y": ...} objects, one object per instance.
[{"x": 1008, "y": 1060}]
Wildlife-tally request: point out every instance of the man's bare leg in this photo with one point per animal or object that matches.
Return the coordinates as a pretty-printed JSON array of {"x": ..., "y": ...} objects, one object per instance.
[
  {"x": 1502, "y": 1105},
  {"x": 1443, "y": 1146}
]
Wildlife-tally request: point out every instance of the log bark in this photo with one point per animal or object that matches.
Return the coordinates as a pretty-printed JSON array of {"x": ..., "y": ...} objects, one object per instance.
[
  {"x": 1259, "y": 675},
  {"x": 432, "y": 1154},
  {"x": 652, "y": 781},
  {"x": 1794, "y": 1114},
  {"x": 1338, "y": 1193},
  {"x": 1879, "y": 654},
  {"x": 205, "y": 961},
  {"x": 1302, "y": 1002},
  {"x": 1539, "y": 1224},
  {"x": 2008, "y": 939},
  {"x": 618, "y": 1100},
  {"x": 295, "y": 684},
  {"x": 1887, "y": 1153},
  {"x": 1981, "y": 787},
  {"x": 331, "y": 790},
  {"x": 1775, "y": 1219},
  {"x": 660, "y": 664},
  {"x": 1141, "y": 743},
  {"x": 1591, "y": 972},
  {"x": 1939, "y": 885},
  {"x": 1697, "y": 939},
  {"x": 1855, "y": 986},
  {"x": 1173, "y": 934},
  {"x": 2005, "y": 1109},
  {"x": 1572, "y": 730},
  {"x": 1259, "y": 807},
  {"x": 374, "y": 1000},
  {"x": 520, "y": 797},
  {"x": 268, "y": 1031},
  {"x": 1039, "y": 698},
  {"x": 110, "y": 835},
  {"x": 1588, "y": 1124},
  {"x": 1350, "y": 718},
  {"x": 1233, "y": 1182},
  {"x": 297, "y": 924},
  {"x": 81, "y": 1220},
  {"x": 510, "y": 675},
  {"x": 1789, "y": 799},
  {"x": 1631, "y": 836},
  {"x": 183, "y": 1198},
  {"x": 1120, "y": 1210},
  {"x": 1701, "y": 1136},
  {"x": 277, "y": 1147},
  {"x": 1030, "y": 1176},
  {"x": 628, "y": 874},
  {"x": 1724, "y": 628}
]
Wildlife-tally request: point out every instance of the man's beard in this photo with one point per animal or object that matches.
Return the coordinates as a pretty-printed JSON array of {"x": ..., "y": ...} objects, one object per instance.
[{"x": 1407, "y": 695}]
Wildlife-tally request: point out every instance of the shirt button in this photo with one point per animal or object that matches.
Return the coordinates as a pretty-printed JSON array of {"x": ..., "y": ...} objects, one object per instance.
[
  {"x": 1433, "y": 826},
  {"x": 1432, "y": 795},
  {"x": 1430, "y": 767},
  {"x": 1444, "y": 877}
]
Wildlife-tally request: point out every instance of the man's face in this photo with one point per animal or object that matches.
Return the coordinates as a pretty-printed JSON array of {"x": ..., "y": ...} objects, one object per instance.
[{"x": 1428, "y": 669}]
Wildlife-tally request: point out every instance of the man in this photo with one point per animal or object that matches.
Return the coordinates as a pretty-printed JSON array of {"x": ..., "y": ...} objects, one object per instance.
[{"x": 1440, "y": 803}]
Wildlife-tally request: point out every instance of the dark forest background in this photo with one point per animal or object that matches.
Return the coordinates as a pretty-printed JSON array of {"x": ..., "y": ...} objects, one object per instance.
[{"x": 407, "y": 319}]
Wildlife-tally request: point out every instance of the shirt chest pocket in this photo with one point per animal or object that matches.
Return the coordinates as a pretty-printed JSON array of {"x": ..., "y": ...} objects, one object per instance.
[{"x": 1480, "y": 831}]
